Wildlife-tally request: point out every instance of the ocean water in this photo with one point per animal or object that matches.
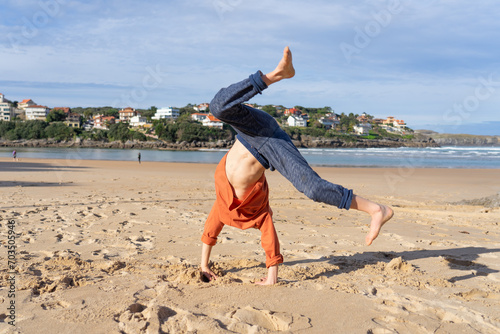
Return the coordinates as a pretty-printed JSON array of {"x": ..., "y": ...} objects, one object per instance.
[{"x": 435, "y": 157}]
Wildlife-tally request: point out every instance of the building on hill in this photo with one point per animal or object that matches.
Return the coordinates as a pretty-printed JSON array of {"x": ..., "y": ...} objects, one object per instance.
[
  {"x": 66, "y": 110},
  {"x": 36, "y": 112},
  {"x": 201, "y": 107},
  {"x": 399, "y": 123},
  {"x": 126, "y": 114},
  {"x": 363, "y": 118},
  {"x": 199, "y": 117},
  {"x": 167, "y": 113},
  {"x": 103, "y": 122},
  {"x": 25, "y": 103},
  {"x": 329, "y": 122},
  {"x": 6, "y": 109},
  {"x": 212, "y": 121},
  {"x": 292, "y": 111},
  {"x": 298, "y": 121},
  {"x": 393, "y": 125},
  {"x": 139, "y": 121},
  {"x": 362, "y": 129},
  {"x": 72, "y": 119}
]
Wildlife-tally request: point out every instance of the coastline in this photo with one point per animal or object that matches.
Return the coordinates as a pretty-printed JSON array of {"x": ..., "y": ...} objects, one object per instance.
[{"x": 305, "y": 142}]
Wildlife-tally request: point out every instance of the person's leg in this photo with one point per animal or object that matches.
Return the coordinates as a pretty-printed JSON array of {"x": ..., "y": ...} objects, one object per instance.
[
  {"x": 227, "y": 105},
  {"x": 284, "y": 70},
  {"x": 283, "y": 156},
  {"x": 379, "y": 213}
]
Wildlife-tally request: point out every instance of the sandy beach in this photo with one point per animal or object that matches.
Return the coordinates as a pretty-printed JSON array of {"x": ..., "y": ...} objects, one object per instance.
[{"x": 114, "y": 247}]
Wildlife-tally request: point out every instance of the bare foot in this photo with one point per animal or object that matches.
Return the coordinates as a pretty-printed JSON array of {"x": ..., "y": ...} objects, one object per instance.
[
  {"x": 266, "y": 281},
  {"x": 379, "y": 218},
  {"x": 272, "y": 276},
  {"x": 284, "y": 70}
]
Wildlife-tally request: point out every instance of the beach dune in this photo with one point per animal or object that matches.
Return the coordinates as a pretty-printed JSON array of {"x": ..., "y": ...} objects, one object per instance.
[{"x": 114, "y": 247}]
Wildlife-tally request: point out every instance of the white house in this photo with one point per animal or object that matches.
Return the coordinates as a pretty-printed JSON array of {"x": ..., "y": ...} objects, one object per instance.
[
  {"x": 212, "y": 122},
  {"x": 294, "y": 120},
  {"x": 200, "y": 117},
  {"x": 363, "y": 128},
  {"x": 37, "y": 112},
  {"x": 201, "y": 107},
  {"x": 138, "y": 120},
  {"x": 166, "y": 113},
  {"x": 6, "y": 109}
]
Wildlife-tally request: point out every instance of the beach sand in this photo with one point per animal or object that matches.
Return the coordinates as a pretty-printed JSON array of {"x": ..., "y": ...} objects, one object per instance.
[{"x": 114, "y": 247}]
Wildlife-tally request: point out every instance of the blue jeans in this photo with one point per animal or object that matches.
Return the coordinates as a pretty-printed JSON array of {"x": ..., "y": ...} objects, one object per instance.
[{"x": 270, "y": 145}]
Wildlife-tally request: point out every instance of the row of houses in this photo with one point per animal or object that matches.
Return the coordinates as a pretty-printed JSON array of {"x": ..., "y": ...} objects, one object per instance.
[
  {"x": 332, "y": 120},
  {"x": 296, "y": 117},
  {"x": 34, "y": 111},
  {"x": 134, "y": 118}
]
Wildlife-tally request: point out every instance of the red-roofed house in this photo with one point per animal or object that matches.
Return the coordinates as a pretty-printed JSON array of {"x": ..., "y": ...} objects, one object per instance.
[
  {"x": 397, "y": 123},
  {"x": 292, "y": 111},
  {"x": 102, "y": 122},
  {"x": 201, "y": 107},
  {"x": 211, "y": 121},
  {"x": 25, "y": 103},
  {"x": 126, "y": 114},
  {"x": 66, "y": 110}
]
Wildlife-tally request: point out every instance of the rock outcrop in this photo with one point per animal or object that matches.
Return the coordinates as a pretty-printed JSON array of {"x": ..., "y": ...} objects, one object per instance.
[{"x": 304, "y": 142}]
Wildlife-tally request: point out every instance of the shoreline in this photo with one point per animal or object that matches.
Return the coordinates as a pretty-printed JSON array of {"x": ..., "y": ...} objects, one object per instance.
[
  {"x": 304, "y": 142},
  {"x": 78, "y": 162}
]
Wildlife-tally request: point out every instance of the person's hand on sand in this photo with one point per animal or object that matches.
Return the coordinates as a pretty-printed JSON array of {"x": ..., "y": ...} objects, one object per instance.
[{"x": 207, "y": 275}]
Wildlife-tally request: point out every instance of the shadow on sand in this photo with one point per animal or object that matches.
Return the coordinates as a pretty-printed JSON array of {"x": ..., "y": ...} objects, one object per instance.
[
  {"x": 455, "y": 258},
  {"x": 20, "y": 166}
]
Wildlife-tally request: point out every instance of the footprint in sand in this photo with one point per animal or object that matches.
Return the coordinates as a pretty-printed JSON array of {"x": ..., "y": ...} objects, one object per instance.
[
  {"x": 153, "y": 318},
  {"x": 412, "y": 314},
  {"x": 55, "y": 305},
  {"x": 250, "y": 319}
]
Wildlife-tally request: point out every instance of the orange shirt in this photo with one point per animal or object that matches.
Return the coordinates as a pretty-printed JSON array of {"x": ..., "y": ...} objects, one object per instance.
[{"x": 251, "y": 212}]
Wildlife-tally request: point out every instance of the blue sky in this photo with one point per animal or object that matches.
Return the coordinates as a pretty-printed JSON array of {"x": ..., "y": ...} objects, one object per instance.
[{"x": 434, "y": 64}]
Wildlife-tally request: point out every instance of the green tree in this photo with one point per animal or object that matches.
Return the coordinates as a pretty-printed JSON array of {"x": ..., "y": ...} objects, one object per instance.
[
  {"x": 59, "y": 131},
  {"x": 56, "y": 115},
  {"x": 119, "y": 131},
  {"x": 139, "y": 136},
  {"x": 270, "y": 110},
  {"x": 108, "y": 111}
]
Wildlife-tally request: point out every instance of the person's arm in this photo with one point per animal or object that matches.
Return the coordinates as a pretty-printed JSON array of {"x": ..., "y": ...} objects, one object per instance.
[{"x": 205, "y": 258}]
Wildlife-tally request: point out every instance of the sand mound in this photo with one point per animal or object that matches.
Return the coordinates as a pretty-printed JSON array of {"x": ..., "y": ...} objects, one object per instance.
[{"x": 488, "y": 202}]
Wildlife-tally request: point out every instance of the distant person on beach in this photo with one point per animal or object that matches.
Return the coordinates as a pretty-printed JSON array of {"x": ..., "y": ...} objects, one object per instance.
[
  {"x": 242, "y": 193},
  {"x": 14, "y": 155},
  {"x": 139, "y": 157}
]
